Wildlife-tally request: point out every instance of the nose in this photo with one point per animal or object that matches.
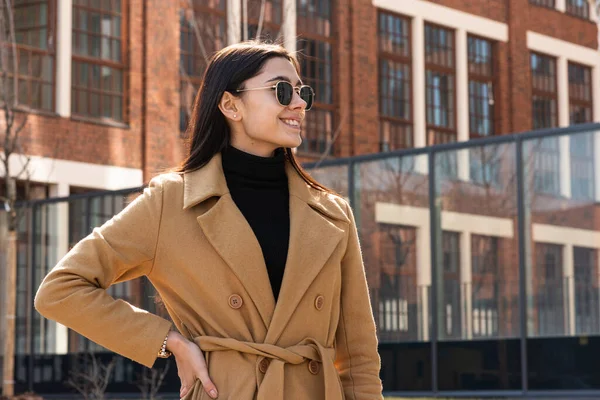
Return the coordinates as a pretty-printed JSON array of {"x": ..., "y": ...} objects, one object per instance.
[{"x": 297, "y": 102}]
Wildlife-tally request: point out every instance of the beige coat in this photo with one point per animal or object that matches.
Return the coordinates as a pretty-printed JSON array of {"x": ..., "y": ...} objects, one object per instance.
[{"x": 187, "y": 236}]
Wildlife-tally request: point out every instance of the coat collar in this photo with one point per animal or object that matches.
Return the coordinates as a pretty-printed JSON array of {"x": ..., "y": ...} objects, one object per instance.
[
  {"x": 313, "y": 238},
  {"x": 209, "y": 181}
]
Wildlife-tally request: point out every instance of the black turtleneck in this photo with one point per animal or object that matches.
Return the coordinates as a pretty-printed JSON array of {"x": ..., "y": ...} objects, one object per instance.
[{"x": 259, "y": 188}]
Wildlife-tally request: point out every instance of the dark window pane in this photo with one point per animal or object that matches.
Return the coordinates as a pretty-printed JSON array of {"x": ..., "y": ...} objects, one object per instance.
[
  {"x": 480, "y": 365},
  {"x": 568, "y": 363},
  {"x": 406, "y": 366},
  {"x": 106, "y": 107},
  {"x": 579, "y": 8}
]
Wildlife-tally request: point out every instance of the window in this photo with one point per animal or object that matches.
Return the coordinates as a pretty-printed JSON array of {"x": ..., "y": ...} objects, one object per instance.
[
  {"x": 546, "y": 159},
  {"x": 99, "y": 60},
  {"x": 202, "y": 33},
  {"x": 450, "y": 262},
  {"x": 440, "y": 94},
  {"x": 548, "y": 289},
  {"x": 397, "y": 296},
  {"x": 485, "y": 285},
  {"x": 395, "y": 82},
  {"x": 544, "y": 3},
  {"x": 544, "y": 115},
  {"x": 440, "y": 87},
  {"x": 586, "y": 291},
  {"x": 34, "y": 23},
  {"x": 579, "y": 8},
  {"x": 481, "y": 87},
  {"x": 316, "y": 58},
  {"x": 543, "y": 74},
  {"x": 580, "y": 94},
  {"x": 582, "y": 145},
  {"x": 272, "y": 15}
]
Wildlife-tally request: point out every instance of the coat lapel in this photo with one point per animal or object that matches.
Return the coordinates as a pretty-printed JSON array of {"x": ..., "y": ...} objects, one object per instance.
[
  {"x": 230, "y": 234},
  {"x": 313, "y": 238}
]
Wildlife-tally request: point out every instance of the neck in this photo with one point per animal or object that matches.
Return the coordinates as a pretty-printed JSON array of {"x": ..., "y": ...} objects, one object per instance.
[{"x": 257, "y": 149}]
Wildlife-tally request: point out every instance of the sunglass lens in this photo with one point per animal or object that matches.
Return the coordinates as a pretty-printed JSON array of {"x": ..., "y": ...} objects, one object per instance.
[
  {"x": 284, "y": 92},
  {"x": 307, "y": 94}
]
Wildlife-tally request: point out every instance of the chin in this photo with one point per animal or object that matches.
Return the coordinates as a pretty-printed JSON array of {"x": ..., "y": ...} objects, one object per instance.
[{"x": 290, "y": 142}]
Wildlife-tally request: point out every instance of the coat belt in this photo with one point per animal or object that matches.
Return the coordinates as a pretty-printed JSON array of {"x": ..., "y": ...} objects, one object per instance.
[{"x": 271, "y": 387}]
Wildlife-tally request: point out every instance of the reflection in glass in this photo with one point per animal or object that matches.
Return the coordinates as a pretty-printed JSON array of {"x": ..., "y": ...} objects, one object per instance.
[
  {"x": 562, "y": 275},
  {"x": 391, "y": 208},
  {"x": 477, "y": 262}
]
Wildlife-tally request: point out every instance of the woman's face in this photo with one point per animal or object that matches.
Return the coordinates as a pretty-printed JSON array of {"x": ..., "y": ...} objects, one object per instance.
[{"x": 259, "y": 124}]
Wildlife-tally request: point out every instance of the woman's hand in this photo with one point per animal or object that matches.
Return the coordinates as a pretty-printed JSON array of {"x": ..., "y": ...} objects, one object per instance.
[{"x": 191, "y": 364}]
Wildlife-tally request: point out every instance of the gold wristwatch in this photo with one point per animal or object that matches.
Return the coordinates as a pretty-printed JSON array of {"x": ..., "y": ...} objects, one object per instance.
[{"x": 163, "y": 353}]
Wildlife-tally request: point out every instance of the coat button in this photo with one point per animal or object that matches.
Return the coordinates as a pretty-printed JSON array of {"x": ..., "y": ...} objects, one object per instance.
[
  {"x": 319, "y": 301},
  {"x": 313, "y": 367},
  {"x": 263, "y": 365},
  {"x": 235, "y": 301}
]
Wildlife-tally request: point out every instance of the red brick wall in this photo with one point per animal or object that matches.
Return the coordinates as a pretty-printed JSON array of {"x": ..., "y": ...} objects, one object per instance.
[
  {"x": 93, "y": 142},
  {"x": 492, "y": 9}
]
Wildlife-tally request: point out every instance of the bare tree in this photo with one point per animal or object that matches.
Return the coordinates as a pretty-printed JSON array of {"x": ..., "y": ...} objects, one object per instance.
[
  {"x": 13, "y": 120},
  {"x": 150, "y": 381},
  {"x": 91, "y": 377}
]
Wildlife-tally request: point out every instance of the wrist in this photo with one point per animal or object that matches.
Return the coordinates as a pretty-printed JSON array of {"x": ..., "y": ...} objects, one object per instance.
[{"x": 175, "y": 341}]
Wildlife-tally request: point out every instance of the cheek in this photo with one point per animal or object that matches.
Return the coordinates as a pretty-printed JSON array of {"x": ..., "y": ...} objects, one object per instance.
[{"x": 262, "y": 118}]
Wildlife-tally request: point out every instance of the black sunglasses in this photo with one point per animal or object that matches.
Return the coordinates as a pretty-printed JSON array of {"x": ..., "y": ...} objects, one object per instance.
[{"x": 284, "y": 92}]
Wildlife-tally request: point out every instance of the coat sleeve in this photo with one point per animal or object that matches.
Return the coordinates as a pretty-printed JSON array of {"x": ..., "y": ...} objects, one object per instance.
[
  {"x": 74, "y": 292},
  {"x": 357, "y": 358}
]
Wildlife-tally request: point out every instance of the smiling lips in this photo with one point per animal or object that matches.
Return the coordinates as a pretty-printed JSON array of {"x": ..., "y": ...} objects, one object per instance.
[{"x": 292, "y": 122}]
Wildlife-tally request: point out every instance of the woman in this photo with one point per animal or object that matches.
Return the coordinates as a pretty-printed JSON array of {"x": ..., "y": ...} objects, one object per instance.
[{"x": 257, "y": 264}]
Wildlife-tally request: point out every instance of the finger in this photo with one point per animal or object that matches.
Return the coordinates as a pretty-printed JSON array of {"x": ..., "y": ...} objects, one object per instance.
[
  {"x": 207, "y": 383},
  {"x": 184, "y": 390}
]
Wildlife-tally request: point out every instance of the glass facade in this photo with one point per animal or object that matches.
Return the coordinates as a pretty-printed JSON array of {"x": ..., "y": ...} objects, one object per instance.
[{"x": 484, "y": 284}]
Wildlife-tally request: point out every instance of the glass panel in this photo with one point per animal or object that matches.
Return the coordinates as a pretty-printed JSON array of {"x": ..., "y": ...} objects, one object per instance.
[
  {"x": 116, "y": 50},
  {"x": 95, "y": 22},
  {"x": 106, "y": 107},
  {"x": 477, "y": 270},
  {"x": 82, "y": 19},
  {"x": 47, "y": 97},
  {"x": 566, "y": 363},
  {"x": 83, "y": 44},
  {"x": 117, "y": 108},
  {"x": 94, "y": 81},
  {"x": 480, "y": 365},
  {"x": 405, "y": 366},
  {"x": 562, "y": 256},
  {"x": 94, "y": 104},
  {"x": 334, "y": 177},
  {"x": 395, "y": 135},
  {"x": 478, "y": 262},
  {"x": 392, "y": 213},
  {"x": 95, "y": 46}
]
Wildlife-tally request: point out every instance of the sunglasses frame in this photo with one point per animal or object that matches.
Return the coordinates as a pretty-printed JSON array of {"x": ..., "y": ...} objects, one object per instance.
[{"x": 295, "y": 88}]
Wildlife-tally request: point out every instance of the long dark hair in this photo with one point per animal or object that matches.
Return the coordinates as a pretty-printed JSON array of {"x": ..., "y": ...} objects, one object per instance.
[{"x": 207, "y": 131}]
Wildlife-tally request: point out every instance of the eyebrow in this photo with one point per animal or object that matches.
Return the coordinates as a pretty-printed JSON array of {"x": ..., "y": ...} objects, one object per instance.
[{"x": 283, "y": 78}]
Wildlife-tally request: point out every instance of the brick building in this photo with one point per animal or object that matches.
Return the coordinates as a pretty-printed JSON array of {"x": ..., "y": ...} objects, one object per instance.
[{"x": 109, "y": 84}]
